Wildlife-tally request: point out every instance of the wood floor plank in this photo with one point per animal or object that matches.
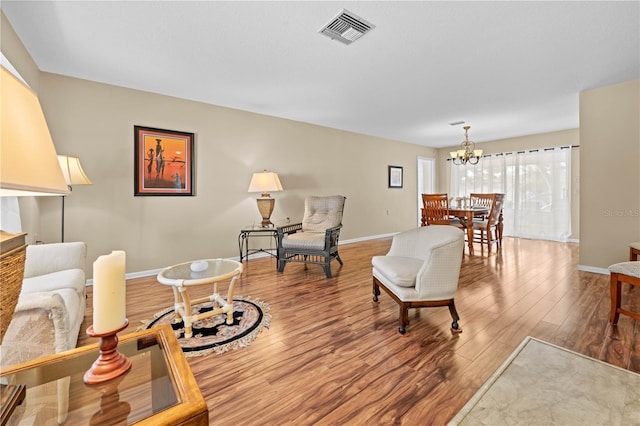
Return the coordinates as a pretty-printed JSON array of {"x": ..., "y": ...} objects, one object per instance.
[{"x": 332, "y": 356}]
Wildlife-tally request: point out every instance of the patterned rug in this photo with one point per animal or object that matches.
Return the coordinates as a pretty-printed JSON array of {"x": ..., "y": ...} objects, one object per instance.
[{"x": 213, "y": 335}]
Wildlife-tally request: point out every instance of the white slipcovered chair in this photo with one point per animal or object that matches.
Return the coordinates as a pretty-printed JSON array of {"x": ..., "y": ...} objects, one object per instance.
[
  {"x": 421, "y": 270},
  {"x": 315, "y": 240}
]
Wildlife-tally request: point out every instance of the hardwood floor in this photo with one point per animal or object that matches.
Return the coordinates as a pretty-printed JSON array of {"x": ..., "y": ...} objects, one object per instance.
[{"x": 332, "y": 356}]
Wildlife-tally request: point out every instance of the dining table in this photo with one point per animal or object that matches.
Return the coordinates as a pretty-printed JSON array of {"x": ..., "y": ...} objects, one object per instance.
[{"x": 466, "y": 215}]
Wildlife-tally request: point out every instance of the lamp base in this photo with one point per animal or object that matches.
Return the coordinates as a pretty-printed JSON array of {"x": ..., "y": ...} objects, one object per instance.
[{"x": 265, "y": 206}]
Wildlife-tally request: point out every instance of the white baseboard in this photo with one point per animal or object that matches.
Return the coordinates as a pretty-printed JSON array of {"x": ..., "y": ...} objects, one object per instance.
[
  {"x": 152, "y": 272},
  {"x": 586, "y": 268}
]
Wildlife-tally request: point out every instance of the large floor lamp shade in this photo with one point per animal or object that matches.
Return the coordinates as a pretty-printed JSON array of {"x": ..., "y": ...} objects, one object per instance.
[
  {"x": 73, "y": 175},
  {"x": 28, "y": 167},
  {"x": 265, "y": 182}
]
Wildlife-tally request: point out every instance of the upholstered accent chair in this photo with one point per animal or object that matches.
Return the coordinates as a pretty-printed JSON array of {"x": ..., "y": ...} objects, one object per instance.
[
  {"x": 489, "y": 229},
  {"x": 315, "y": 239},
  {"x": 421, "y": 270}
]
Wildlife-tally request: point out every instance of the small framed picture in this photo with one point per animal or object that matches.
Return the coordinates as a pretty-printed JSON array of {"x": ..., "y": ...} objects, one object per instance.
[
  {"x": 395, "y": 177},
  {"x": 163, "y": 162}
]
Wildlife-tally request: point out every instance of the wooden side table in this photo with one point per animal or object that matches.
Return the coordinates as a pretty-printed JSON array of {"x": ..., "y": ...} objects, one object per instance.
[
  {"x": 159, "y": 388},
  {"x": 257, "y": 231}
]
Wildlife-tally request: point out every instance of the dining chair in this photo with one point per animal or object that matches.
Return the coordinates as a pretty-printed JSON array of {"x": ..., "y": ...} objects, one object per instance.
[
  {"x": 634, "y": 250},
  {"x": 490, "y": 227},
  {"x": 435, "y": 209},
  {"x": 481, "y": 200}
]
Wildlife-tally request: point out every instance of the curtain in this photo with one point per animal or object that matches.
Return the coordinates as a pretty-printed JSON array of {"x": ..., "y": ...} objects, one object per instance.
[{"x": 536, "y": 185}]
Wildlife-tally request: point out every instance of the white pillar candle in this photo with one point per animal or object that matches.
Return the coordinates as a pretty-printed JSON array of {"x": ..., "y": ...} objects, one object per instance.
[{"x": 109, "y": 292}]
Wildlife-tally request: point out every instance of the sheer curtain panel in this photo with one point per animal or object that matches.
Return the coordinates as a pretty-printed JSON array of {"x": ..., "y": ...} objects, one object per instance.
[{"x": 536, "y": 185}]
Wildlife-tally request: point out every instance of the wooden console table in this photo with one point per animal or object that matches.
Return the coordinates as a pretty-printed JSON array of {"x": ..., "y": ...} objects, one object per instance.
[{"x": 159, "y": 388}]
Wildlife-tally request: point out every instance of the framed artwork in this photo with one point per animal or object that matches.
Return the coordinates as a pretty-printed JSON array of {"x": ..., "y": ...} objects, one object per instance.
[
  {"x": 395, "y": 177},
  {"x": 163, "y": 162}
]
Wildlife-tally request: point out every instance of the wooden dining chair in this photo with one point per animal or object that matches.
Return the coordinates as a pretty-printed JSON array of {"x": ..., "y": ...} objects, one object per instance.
[
  {"x": 482, "y": 200},
  {"x": 489, "y": 229},
  {"x": 435, "y": 209}
]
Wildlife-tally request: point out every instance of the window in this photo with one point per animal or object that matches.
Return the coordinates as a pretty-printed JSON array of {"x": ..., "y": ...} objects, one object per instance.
[{"x": 536, "y": 185}]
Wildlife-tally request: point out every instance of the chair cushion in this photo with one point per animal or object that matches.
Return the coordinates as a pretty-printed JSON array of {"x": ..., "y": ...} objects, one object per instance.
[
  {"x": 398, "y": 270},
  {"x": 635, "y": 245},
  {"x": 631, "y": 268},
  {"x": 304, "y": 240},
  {"x": 321, "y": 213},
  {"x": 480, "y": 224}
]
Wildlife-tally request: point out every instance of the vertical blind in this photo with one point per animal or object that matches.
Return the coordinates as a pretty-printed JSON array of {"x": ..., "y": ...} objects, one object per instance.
[{"x": 536, "y": 185}]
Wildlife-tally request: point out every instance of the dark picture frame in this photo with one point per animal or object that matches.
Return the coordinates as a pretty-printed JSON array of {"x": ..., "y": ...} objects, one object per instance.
[
  {"x": 395, "y": 177},
  {"x": 171, "y": 172}
]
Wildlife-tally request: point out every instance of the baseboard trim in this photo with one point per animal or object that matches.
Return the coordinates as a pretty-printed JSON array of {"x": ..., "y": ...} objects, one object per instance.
[
  {"x": 151, "y": 272},
  {"x": 596, "y": 270}
]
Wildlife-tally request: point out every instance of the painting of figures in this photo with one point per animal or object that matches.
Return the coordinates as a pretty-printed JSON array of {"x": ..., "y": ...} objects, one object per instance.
[{"x": 163, "y": 162}]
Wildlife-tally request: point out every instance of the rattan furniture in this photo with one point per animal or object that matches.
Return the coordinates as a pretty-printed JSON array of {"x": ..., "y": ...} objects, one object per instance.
[
  {"x": 315, "y": 239},
  {"x": 12, "y": 259},
  {"x": 180, "y": 277}
]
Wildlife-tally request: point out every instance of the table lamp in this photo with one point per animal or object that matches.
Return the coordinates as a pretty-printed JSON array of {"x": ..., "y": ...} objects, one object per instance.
[
  {"x": 265, "y": 182},
  {"x": 73, "y": 175},
  {"x": 28, "y": 167}
]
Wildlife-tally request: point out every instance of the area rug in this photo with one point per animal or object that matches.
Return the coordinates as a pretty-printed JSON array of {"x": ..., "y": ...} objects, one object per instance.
[
  {"x": 213, "y": 335},
  {"x": 544, "y": 384}
]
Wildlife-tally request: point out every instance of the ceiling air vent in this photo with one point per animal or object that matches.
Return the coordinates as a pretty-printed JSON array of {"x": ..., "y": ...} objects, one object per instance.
[{"x": 347, "y": 27}]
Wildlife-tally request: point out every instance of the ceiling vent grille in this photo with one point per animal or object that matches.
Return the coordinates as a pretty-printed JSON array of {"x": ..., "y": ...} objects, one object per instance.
[{"x": 346, "y": 27}]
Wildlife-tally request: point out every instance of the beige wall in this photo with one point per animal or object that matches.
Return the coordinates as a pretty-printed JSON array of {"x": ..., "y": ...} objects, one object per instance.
[
  {"x": 95, "y": 122},
  {"x": 569, "y": 137},
  {"x": 610, "y": 181}
]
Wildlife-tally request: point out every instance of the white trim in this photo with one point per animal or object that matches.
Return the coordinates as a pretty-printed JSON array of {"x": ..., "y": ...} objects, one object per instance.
[
  {"x": 594, "y": 269},
  {"x": 236, "y": 258}
]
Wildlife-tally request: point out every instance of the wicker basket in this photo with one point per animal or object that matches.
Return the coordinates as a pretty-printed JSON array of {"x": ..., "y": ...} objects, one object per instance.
[{"x": 11, "y": 275}]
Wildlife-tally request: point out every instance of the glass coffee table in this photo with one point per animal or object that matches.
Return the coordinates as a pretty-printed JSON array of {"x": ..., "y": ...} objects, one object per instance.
[
  {"x": 180, "y": 277},
  {"x": 158, "y": 389}
]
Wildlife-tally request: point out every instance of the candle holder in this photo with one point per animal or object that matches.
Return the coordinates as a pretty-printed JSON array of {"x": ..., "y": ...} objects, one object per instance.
[{"x": 111, "y": 363}]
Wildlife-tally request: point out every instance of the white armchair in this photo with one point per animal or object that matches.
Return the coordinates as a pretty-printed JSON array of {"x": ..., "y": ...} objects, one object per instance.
[
  {"x": 47, "y": 320},
  {"x": 421, "y": 270}
]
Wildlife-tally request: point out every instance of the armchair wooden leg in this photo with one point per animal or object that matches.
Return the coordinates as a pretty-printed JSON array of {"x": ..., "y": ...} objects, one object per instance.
[
  {"x": 376, "y": 290},
  {"x": 455, "y": 327},
  {"x": 404, "y": 318}
]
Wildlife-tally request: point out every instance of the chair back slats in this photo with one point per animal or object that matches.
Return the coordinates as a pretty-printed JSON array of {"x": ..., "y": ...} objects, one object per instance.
[
  {"x": 496, "y": 209},
  {"x": 435, "y": 209}
]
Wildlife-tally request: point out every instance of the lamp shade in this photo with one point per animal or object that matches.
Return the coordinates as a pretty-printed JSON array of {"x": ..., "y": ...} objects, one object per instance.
[
  {"x": 72, "y": 171},
  {"x": 265, "y": 182},
  {"x": 29, "y": 164}
]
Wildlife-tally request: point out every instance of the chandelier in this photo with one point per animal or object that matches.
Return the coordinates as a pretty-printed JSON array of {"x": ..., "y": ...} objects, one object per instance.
[{"x": 467, "y": 152}]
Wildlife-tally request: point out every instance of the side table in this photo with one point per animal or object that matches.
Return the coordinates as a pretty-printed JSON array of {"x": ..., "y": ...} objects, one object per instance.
[
  {"x": 257, "y": 231},
  {"x": 159, "y": 388},
  {"x": 180, "y": 277}
]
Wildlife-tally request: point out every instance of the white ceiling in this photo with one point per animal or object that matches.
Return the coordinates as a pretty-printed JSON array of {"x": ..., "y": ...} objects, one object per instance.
[{"x": 506, "y": 68}]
